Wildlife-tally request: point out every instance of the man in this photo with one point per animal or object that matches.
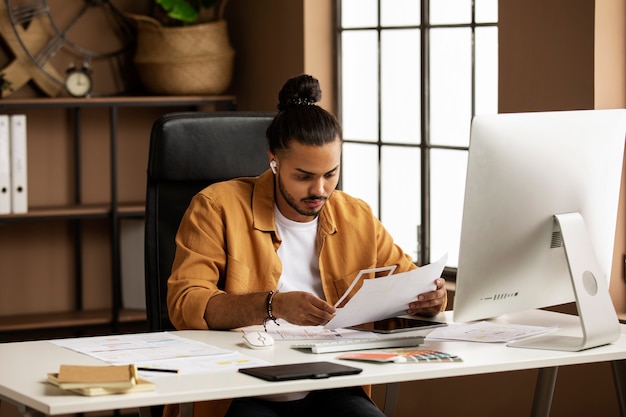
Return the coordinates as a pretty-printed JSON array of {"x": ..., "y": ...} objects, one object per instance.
[{"x": 284, "y": 245}]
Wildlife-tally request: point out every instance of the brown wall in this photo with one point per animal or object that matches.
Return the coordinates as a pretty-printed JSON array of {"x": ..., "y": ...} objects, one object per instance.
[
  {"x": 546, "y": 55},
  {"x": 276, "y": 40},
  {"x": 269, "y": 39}
]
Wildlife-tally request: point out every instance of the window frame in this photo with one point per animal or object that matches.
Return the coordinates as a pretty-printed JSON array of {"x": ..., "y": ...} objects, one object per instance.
[{"x": 425, "y": 146}]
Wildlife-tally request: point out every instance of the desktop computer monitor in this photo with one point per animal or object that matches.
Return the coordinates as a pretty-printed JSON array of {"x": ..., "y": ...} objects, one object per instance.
[{"x": 539, "y": 220}]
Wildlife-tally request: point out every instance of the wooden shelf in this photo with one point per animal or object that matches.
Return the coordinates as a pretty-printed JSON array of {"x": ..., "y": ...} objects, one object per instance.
[
  {"x": 132, "y": 210},
  {"x": 71, "y": 319},
  {"x": 74, "y": 212},
  {"x": 229, "y": 101}
]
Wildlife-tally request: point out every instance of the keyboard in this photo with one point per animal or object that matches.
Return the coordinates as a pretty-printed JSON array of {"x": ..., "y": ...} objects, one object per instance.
[{"x": 345, "y": 345}]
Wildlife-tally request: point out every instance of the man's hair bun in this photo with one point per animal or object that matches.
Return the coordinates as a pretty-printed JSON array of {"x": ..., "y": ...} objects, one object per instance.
[{"x": 303, "y": 90}]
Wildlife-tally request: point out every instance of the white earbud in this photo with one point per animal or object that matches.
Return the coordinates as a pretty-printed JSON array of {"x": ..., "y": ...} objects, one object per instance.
[{"x": 273, "y": 165}]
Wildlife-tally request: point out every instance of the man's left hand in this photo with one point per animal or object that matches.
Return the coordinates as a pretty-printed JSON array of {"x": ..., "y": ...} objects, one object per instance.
[{"x": 430, "y": 303}]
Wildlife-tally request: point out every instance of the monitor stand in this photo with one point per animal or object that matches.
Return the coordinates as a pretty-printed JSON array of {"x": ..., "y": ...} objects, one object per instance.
[{"x": 598, "y": 320}]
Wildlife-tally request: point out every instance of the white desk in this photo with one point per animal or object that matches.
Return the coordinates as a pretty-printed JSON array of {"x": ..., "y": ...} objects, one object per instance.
[{"x": 24, "y": 365}]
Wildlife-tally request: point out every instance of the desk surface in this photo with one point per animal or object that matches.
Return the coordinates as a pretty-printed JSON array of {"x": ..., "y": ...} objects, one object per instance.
[{"x": 24, "y": 365}]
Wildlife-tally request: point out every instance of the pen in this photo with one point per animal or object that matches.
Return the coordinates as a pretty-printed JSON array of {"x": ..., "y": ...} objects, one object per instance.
[{"x": 171, "y": 371}]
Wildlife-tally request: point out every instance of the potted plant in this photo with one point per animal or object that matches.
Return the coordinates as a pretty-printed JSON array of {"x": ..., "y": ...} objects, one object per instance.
[{"x": 184, "y": 48}]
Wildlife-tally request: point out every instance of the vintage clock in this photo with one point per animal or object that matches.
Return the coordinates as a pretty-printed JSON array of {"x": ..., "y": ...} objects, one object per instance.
[
  {"x": 78, "y": 82},
  {"x": 77, "y": 48}
]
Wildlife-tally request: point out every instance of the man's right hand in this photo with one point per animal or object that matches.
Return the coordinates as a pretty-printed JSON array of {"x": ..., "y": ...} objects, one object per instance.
[{"x": 302, "y": 308}]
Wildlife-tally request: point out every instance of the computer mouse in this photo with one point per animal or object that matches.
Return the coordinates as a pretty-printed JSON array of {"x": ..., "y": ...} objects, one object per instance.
[{"x": 258, "y": 340}]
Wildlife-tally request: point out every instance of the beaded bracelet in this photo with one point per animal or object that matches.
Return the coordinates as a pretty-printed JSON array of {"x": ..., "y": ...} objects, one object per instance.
[{"x": 268, "y": 307}]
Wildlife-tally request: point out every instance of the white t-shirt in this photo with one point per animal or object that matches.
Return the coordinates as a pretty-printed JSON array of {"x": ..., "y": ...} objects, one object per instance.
[{"x": 298, "y": 255}]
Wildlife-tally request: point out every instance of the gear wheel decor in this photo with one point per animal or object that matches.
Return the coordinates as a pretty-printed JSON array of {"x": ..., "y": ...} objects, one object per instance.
[{"x": 47, "y": 46}]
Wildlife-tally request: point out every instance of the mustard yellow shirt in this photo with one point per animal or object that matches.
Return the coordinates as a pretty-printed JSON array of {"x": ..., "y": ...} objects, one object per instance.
[{"x": 227, "y": 242}]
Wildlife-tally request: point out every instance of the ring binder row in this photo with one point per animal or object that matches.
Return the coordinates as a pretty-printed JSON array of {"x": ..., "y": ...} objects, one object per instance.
[{"x": 13, "y": 164}]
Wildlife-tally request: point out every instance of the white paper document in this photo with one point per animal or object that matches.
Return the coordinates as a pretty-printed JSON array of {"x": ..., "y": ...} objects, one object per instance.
[
  {"x": 287, "y": 331},
  {"x": 386, "y": 297},
  {"x": 486, "y": 332}
]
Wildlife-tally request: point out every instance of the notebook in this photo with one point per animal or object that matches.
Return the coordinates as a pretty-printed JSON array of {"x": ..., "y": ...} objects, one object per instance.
[
  {"x": 99, "y": 380},
  {"x": 309, "y": 370}
]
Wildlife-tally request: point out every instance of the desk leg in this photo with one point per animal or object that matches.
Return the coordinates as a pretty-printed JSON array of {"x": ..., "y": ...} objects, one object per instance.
[
  {"x": 619, "y": 377},
  {"x": 391, "y": 398},
  {"x": 145, "y": 412},
  {"x": 546, "y": 380},
  {"x": 24, "y": 410},
  {"x": 184, "y": 410}
]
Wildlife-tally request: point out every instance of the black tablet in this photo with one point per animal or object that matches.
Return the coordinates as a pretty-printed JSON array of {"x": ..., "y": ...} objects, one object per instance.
[
  {"x": 310, "y": 370},
  {"x": 399, "y": 324}
]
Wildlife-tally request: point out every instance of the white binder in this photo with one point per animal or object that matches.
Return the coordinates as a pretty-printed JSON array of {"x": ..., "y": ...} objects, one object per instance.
[
  {"x": 5, "y": 165},
  {"x": 19, "y": 178}
]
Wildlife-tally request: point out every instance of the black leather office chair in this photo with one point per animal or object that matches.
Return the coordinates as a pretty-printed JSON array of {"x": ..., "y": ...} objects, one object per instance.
[{"x": 189, "y": 151}]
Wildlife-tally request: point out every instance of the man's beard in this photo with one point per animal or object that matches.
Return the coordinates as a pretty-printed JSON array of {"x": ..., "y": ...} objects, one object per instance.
[{"x": 294, "y": 204}]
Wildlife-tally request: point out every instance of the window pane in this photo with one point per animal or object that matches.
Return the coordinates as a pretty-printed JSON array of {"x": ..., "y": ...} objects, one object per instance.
[
  {"x": 486, "y": 11},
  {"x": 359, "y": 173},
  {"x": 450, "y": 11},
  {"x": 486, "y": 44},
  {"x": 400, "y": 94},
  {"x": 448, "y": 170},
  {"x": 400, "y": 206},
  {"x": 359, "y": 83},
  {"x": 450, "y": 86},
  {"x": 400, "y": 13},
  {"x": 359, "y": 13}
]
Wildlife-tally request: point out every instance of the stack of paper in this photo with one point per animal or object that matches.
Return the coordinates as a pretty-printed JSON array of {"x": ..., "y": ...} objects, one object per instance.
[{"x": 99, "y": 380}]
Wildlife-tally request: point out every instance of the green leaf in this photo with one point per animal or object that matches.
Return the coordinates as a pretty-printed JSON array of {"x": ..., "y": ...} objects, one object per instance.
[
  {"x": 183, "y": 10},
  {"x": 167, "y": 5}
]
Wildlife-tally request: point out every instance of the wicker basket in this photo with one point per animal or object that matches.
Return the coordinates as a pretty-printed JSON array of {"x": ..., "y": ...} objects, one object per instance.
[{"x": 195, "y": 59}]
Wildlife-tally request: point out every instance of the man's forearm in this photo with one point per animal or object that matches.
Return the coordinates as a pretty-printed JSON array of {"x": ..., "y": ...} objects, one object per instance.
[{"x": 229, "y": 311}]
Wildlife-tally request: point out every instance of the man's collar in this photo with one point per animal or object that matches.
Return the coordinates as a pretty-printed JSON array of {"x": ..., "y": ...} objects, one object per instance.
[{"x": 263, "y": 202}]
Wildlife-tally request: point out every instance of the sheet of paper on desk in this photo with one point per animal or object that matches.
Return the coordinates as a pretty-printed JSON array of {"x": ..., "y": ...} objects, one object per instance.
[
  {"x": 486, "y": 332},
  {"x": 140, "y": 347},
  {"x": 287, "y": 331},
  {"x": 387, "y": 297}
]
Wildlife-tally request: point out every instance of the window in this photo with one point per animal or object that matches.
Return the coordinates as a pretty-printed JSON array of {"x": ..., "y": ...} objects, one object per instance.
[{"x": 412, "y": 74}]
